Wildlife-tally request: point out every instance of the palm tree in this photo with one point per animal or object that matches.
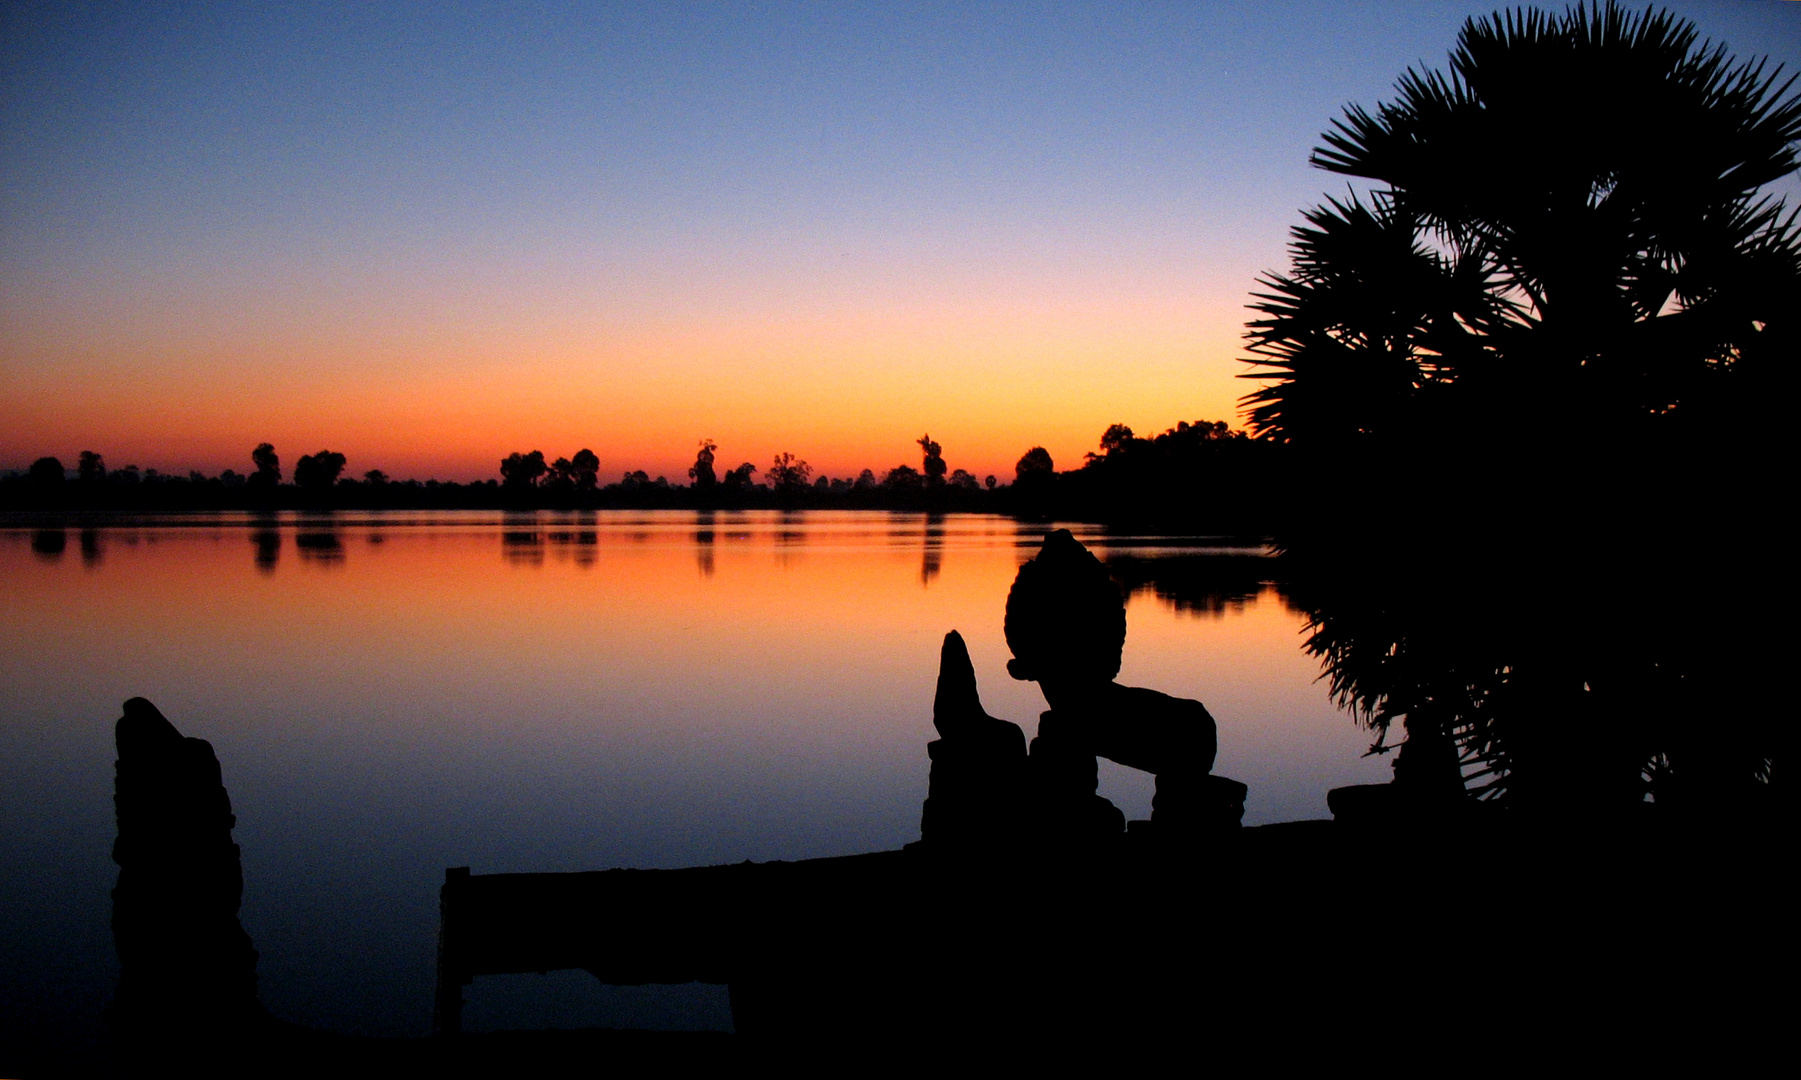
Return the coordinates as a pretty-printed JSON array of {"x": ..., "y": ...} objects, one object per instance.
[{"x": 1545, "y": 350}]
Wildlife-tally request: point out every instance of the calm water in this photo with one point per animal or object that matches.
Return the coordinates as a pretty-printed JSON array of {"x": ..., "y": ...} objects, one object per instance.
[{"x": 393, "y": 694}]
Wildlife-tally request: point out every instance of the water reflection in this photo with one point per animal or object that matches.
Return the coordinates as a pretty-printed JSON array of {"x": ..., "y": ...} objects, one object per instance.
[
  {"x": 49, "y": 543},
  {"x": 703, "y": 542},
  {"x": 266, "y": 538},
  {"x": 1213, "y": 585},
  {"x": 656, "y": 717},
  {"x": 520, "y": 542},
  {"x": 585, "y": 549},
  {"x": 932, "y": 559},
  {"x": 790, "y": 537},
  {"x": 318, "y": 541}
]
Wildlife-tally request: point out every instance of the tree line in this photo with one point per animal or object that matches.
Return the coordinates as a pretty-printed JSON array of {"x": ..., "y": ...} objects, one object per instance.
[{"x": 1201, "y": 470}]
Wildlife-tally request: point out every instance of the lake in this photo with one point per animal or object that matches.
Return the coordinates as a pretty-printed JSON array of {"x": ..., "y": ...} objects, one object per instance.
[{"x": 392, "y": 694}]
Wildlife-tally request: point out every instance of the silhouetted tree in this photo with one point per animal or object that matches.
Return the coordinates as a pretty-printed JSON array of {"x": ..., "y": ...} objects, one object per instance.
[
  {"x": 1034, "y": 462},
  {"x": 1620, "y": 258},
  {"x": 46, "y": 472},
  {"x": 740, "y": 477},
  {"x": 1201, "y": 475},
  {"x": 1115, "y": 439},
  {"x": 1625, "y": 253},
  {"x": 903, "y": 480},
  {"x": 788, "y": 473},
  {"x": 586, "y": 469},
  {"x": 268, "y": 467},
  {"x": 933, "y": 467},
  {"x": 91, "y": 468},
  {"x": 561, "y": 476},
  {"x": 375, "y": 478},
  {"x": 318, "y": 472},
  {"x": 522, "y": 471},
  {"x": 989, "y": 481},
  {"x": 701, "y": 472}
]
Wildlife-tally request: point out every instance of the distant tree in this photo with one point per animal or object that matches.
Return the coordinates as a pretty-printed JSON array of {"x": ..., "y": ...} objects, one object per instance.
[
  {"x": 268, "y": 466},
  {"x": 933, "y": 466},
  {"x": 561, "y": 476},
  {"x": 634, "y": 480},
  {"x": 91, "y": 468},
  {"x": 375, "y": 478},
  {"x": 522, "y": 471},
  {"x": 903, "y": 479},
  {"x": 232, "y": 479},
  {"x": 128, "y": 476},
  {"x": 989, "y": 481},
  {"x": 1034, "y": 462},
  {"x": 318, "y": 472},
  {"x": 1116, "y": 439},
  {"x": 46, "y": 472},
  {"x": 1034, "y": 482},
  {"x": 587, "y": 469},
  {"x": 823, "y": 483},
  {"x": 963, "y": 481},
  {"x": 741, "y": 476},
  {"x": 788, "y": 473},
  {"x": 701, "y": 472},
  {"x": 865, "y": 481}
]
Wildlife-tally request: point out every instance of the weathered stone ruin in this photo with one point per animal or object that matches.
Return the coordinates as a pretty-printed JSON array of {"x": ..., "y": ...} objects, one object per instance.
[
  {"x": 1066, "y": 626},
  {"x": 978, "y": 783},
  {"x": 187, "y": 968}
]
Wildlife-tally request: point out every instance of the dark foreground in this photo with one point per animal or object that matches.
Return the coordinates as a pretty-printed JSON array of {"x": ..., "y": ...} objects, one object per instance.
[{"x": 1495, "y": 949}]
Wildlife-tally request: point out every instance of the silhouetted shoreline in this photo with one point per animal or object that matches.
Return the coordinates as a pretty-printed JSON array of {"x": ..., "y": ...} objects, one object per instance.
[{"x": 1195, "y": 475}]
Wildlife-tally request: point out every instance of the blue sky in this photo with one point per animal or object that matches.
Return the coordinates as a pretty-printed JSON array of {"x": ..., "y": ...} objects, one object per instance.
[{"x": 431, "y": 234}]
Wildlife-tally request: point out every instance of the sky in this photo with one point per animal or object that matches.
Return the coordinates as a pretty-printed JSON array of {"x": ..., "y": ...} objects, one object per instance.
[{"x": 427, "y": 236}]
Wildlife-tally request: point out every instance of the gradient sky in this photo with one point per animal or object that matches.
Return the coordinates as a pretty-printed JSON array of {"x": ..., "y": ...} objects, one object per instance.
[{"x": 428, "y": 235}]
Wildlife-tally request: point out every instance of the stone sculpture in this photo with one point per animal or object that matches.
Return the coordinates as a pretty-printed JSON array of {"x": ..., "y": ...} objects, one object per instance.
[
  {"x": 1066, "y": 627},
  {"x": 187, "y": 968}
]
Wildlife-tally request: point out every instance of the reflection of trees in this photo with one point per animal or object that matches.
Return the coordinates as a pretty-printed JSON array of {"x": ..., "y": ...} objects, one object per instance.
[
  {"x": 1198, "y": 584},
  {"x": 580, "y": 545},
  {"x": 932, "y": 557},
  {"x": 91, "y": 551},
  {"x": 521, "y": 541},
  {"x": 790, "y": 536},
  {"x": 586, "y": 547},
  {"x": 703, "y": 540},
  {"x": 1574, "y": 670},
  {"x": 49, "y": 543},
  {"x": 265, "y": 537},
  {"x": 318, "y": 540},
  {"x": 1538, "y": 604}
]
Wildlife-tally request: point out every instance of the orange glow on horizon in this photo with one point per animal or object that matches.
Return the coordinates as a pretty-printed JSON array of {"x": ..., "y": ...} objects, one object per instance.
[{"x": 844, "y": 390}]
